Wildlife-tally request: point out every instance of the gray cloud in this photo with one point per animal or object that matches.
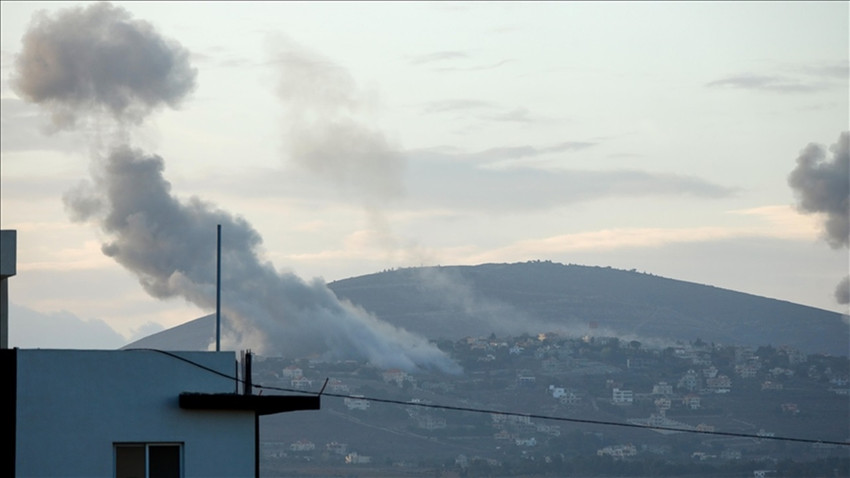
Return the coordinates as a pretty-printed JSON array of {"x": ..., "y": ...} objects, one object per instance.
[
  {"x": 170, "y": 246},
  {"x": 822, "y": 186},
  {"x": 97, "y": 59},
  {"x": 838, "y": 70},
  {"x": 516, "y": 115},
  {"x": 325, "y": 134},
  {"x": 773, "y": 83},
  {"x": 801, "y": 78},
  {"x": 526, "y": 151},
  {"x": 455, "y": 105},
  {"x": 465, "y": 181},
  {"x": 437, "y": 56},
  {"x": 519, "y": 114},
  {"x": 490, "y": 66}
]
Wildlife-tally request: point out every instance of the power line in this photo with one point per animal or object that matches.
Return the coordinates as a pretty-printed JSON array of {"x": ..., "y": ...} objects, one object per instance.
[{"x": 515, "y": 414}]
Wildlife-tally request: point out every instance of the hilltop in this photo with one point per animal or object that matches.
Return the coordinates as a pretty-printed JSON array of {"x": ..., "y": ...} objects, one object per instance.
[
  {"x": 456, "y": 301},
  {"x": 451, "y": 302}
]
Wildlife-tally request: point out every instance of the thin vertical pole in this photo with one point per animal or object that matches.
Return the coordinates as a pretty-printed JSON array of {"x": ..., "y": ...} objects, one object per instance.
[{"x": 218, "y": 290}]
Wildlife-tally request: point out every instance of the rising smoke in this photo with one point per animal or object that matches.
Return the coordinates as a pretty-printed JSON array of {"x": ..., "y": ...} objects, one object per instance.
[
  {"x": 823, "y": 187},
  {"x": 168, "y": 243},
  {"x": 325, "y": 132}
]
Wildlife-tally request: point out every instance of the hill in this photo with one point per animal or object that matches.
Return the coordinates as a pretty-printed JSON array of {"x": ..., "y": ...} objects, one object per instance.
[
  {"x": 451, "y": 302},
  {"x": 457, "y": 301}
]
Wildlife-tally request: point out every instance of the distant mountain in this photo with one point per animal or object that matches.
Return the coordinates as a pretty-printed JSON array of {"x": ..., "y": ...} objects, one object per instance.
[
  {"x": 196, "y": 334},
  {"x": 452, "y": 302}
]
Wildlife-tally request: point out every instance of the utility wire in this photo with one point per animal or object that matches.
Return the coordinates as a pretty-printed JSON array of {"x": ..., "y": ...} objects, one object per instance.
[{"x": 508, "y": 413}]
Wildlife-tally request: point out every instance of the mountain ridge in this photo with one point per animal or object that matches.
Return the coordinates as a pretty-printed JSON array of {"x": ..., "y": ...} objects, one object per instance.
[{"x": 451, "y": 302}]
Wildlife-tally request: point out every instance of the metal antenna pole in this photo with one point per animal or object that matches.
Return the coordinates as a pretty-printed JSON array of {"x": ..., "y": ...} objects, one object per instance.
[{"x": 218, "y": 291}]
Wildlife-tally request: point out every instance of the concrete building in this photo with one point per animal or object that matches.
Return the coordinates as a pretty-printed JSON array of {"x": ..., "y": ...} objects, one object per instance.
[
  {"x": 622, "y": 397},
  {"x": 128, "y": 413},
  {"x": 8, "y": 268}
]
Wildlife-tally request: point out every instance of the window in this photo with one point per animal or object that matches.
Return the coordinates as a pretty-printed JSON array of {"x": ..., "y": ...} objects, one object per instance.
[{"x": 148, "y": 460}]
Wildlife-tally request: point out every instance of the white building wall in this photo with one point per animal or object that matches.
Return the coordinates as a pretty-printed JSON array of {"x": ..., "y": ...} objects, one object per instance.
[{"x": 73, "y": 405}]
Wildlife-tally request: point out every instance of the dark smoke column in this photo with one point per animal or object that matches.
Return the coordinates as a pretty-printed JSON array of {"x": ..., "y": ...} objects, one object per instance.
[{"x": 823, "y": 187}]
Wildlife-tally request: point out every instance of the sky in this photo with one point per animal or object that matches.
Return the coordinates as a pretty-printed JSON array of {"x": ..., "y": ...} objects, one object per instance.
[{"x": 700, "y": 141}]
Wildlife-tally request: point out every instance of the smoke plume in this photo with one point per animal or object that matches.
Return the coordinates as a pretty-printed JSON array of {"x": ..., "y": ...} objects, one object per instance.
[
  {"x": 84, "y": 62},
  {"x": 97, "y": 59},
  {"x": 325, "y": 132},
  {"x": 842, "y": 291},
  {"x": 170, "y": 246},
  {"x": 823, "y": 187}
]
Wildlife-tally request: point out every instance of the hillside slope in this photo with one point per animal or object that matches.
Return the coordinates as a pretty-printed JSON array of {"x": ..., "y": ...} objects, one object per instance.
[{"x": 456, "y": 301}]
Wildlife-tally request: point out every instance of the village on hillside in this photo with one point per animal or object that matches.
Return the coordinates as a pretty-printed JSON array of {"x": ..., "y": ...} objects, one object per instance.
[{"x": 548, "y": 403}]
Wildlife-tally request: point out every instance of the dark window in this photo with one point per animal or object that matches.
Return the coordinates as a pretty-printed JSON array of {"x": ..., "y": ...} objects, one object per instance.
[{"x": 148, "y": 460}]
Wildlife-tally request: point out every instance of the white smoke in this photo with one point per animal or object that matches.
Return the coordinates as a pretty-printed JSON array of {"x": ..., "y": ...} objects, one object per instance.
[
  {"x": 325, "y": 130},
  {"x": 169, "y": 245}
]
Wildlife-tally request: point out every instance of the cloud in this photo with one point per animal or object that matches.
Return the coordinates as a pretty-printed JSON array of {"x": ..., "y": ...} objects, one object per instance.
[
  {"x": 624, "y": 242},
  {"x": 455, "y": 105},
  {"x": 801, "y": 78},
  {"x": 500, "y": 180},
  {"x": 822, "y": 186},
  {"x": 98, "y": 59},
  {"x": 838, "y": 70},
  {"x": 772, "y": 83},
  {"x": 516, "y": 115},
  {"x": 437, "y": 56},
  {"x": 490, "y": 66},
  {"x": 519, "y": 114},
  {"x": 169, "y": 245},
  {"x": 526, "y": 151}
]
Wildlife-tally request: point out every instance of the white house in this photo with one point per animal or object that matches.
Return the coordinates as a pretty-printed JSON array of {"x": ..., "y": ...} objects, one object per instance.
[
  {"x": 355, "y": 459},
  {"x": 557, "y": 392},
  {"x": 303, "y": 445},
  {"x": 622, "y": 397},
  {"x": 395, "y": 375},
  {"x": 356, "y": 403},
  {"x": 293, "y": 371},
  {"x": 123, "y": 413},
  {"x": 662, "y": 388}
]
